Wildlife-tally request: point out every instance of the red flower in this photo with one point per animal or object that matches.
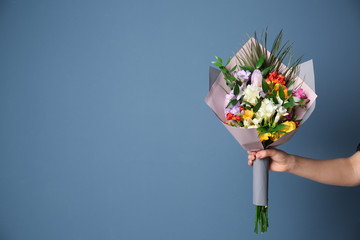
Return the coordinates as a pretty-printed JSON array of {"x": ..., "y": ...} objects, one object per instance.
[
  {"x": 229, "y": 116},
  {"x": 238, "y": 118}
]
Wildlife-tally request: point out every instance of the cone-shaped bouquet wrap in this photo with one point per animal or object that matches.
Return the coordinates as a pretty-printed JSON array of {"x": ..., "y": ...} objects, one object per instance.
[{"x": 262, "y": 103}]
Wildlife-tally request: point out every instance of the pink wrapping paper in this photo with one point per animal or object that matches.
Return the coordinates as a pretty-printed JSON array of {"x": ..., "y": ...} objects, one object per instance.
[{"x": 248, "y": 138}]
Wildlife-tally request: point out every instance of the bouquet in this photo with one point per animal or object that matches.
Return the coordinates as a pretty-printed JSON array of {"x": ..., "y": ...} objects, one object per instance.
[{"x": 262, "y": 103}]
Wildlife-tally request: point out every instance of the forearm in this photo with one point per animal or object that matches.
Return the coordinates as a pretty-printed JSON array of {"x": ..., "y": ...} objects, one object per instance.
[{"x": 341, "y": 171}]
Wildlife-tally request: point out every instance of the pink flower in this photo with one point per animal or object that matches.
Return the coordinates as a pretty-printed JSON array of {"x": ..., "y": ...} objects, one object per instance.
[{"x": 299, "y": 93}]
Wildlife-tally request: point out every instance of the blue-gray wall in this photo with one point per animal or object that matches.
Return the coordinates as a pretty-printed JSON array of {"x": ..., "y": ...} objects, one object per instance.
[{"x": 104, "y": 133}]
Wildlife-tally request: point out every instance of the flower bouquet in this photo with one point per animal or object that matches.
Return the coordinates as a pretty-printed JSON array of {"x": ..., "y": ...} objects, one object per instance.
[{"x": 262, "y": 103}]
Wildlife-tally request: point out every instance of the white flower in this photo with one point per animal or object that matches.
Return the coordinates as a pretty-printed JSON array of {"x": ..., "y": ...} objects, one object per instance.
[
  {"x": 267, "y": 109},
  {"x": 252, "y": 123},
  {"x": 282, "y": 111},
  {"x": 256, "y": 78},
  {"x": 251, "y": 93},
  {"x": 277, "y": 118}
]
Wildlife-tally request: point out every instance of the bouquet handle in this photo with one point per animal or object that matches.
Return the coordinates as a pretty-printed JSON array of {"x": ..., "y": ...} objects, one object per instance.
[
  {"x": 260, "y": 181},
  {"x": 260, "y": 193}
]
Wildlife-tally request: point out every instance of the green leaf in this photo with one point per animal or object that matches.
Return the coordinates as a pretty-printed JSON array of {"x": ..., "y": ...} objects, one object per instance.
[
  {"x": 290, "y": 92},
  {"x": 233, "y": 69},
  {"x": 262, "y": 129},
  {"x": 223, "y": 69},
  {"x": 217, "y": 64},
  {"x": 228, "y": 61},
  {"x": 236, "y": 90},
  {"x": 291, "y": 87},
  {"x": 281, "y": 93},
  {"x": 275, "y": 99},
  {"x": 231, "y": 77},
  {"x": 289, "y": 104},
  {"x": 248, "y": 103},
  {"x": 266, "y": 70},
  {"x": 258, "y": 105},
  {"x": 219, "y": 59},
  {"x": 265, "y": 86},
  {"x": 232, "y": 102},
  {"x": 260, "y": 61},
  {"x": 279, "y": 127},
  {"x": 247, "y": 68},
  {"x": 262, "y": 133}
]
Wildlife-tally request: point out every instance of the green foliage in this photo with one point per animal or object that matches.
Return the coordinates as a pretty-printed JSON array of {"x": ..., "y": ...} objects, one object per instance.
[
  {"x": 251, "y": 69},
  {"x": 258, "y": 105},
  {"x": 232, "y": 103},
  {"x": 265, "y": 86},
  {"x": 260, "y": 61},
  {"x": 281, "y": 93},
  {"x": 266, "y": 71}
]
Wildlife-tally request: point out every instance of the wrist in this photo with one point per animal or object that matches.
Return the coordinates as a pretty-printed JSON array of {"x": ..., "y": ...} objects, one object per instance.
[{"x": 291, "y": 163}]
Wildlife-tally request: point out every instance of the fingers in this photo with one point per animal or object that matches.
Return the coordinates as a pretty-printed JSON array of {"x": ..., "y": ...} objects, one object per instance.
[{"x": 251, "y": 158}]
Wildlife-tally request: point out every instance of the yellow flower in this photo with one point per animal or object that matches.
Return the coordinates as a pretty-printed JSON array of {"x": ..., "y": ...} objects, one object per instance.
[
  {"x": 248, "y": 114},
  {"x": 265, "y": 136},
  {"x": 276, "y": 136},
  {"x": 290, "y": 125}
]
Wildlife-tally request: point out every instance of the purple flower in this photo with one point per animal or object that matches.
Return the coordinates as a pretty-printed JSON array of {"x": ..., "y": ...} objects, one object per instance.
[
  {"x": 243, "y": 74},
  {"x": 235, "y": 109}
]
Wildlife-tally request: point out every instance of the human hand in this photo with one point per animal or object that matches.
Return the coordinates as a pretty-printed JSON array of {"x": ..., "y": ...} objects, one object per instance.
[{"x": 280, "y": 161}]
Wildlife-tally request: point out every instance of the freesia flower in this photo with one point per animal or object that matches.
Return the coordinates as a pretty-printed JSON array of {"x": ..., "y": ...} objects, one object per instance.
[
  {"x": 267, "y": 109},
  {"x": 251, "y": 93},
  {"x": 242, "y": 74},
  {"x": 252, "y": 123},
  {"x": 256, "y": 78},
  {"x": 229, "y": 97},
  {"x": 235, "y": 109}
]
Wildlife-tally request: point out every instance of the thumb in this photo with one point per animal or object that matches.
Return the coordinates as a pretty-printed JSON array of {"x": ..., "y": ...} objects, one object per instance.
[{"x": 266, "y": 153}]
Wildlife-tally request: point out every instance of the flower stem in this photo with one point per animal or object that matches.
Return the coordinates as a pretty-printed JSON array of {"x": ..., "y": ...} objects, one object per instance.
[{"x": 261, "y": 218}]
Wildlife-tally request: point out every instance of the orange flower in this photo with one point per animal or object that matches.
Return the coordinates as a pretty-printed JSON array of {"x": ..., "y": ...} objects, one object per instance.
[
  {"x": 276, "y": 88},
  {"x": 275, "y": 78}
]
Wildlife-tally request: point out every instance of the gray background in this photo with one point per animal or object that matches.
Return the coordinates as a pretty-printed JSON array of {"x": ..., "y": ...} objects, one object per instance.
[{"x": 104, "y": 133}]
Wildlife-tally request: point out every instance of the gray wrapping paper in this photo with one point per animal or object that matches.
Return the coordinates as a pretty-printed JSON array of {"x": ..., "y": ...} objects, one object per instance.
[{"x": 260, "y": 181}]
